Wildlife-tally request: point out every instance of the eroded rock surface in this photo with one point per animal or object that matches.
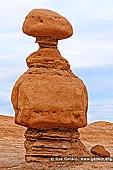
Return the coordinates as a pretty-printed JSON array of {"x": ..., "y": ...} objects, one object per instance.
[
  {"x": 49, "y": 95},
  {"x": 44, "y": 22},
  {"x": 12, "y": 147},
  {"x": 55, "y": 143},
  {"x": 48, "y": 98},
  {"x": 100, "y": 150}
]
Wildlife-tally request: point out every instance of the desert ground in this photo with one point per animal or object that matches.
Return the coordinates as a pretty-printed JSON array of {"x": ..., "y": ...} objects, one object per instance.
[{"x": 12, "y": 147}]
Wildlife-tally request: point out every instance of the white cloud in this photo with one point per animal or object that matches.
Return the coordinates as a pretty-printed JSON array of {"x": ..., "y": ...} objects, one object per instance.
[
  {"x": 101, "y": 109},
  {"x": 88, "y": 52},
  {"x": 103, "y": 14},
  {"x": 12, "y": 13}
]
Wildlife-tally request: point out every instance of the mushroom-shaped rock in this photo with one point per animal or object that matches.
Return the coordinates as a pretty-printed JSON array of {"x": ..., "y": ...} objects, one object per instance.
[
  {"x": 43, "y": 22},
  {"x": 49, "y": 95},
  {"x": 48, "y": 98}
]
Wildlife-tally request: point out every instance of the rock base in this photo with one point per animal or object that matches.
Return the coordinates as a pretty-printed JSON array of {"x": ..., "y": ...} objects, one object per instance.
[{"x": 42, "y": 145}]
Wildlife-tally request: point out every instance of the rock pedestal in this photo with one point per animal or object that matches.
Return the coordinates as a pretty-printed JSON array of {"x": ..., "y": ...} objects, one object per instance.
[
  {"x": 43, "y": 145},
  {"x": 48, "y": 98}
]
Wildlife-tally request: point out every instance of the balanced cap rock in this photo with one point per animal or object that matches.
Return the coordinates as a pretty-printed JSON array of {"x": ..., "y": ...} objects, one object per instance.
[
  {"x": 43, "y": 22},
  {"x": 48, "y": 98}
]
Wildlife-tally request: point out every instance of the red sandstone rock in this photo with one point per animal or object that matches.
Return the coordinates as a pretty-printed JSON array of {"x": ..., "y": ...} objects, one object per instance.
[
  {"x": 100, "y": 151},
  {"x": 49, "y": 95},
  {"x": 43, "y": 22},
  {"x": 48, "y": 98},
  {"x": 12, "y": 149},
  {"x": 56, "y": 143}
]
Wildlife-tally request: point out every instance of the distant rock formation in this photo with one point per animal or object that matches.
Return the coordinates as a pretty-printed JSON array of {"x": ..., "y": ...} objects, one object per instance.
[{"x": 48, "y": 98}]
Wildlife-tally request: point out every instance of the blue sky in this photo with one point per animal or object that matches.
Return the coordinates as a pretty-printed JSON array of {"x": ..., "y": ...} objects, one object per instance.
[{"x": 89, "y": 51}]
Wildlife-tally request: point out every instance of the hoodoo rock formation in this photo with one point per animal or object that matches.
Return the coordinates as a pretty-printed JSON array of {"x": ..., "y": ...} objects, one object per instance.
[{"x": 48, "y": 98}]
